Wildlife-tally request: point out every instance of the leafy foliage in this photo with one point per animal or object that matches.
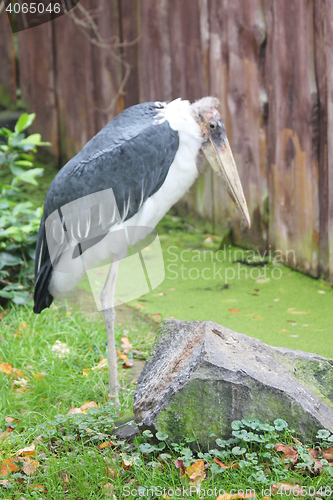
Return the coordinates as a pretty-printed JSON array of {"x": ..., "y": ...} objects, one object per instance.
[{"x": 19, "y": 220}]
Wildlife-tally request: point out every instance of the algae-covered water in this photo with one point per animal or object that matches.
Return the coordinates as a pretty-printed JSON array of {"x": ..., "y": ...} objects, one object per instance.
[{"x": 268, "y": 301}]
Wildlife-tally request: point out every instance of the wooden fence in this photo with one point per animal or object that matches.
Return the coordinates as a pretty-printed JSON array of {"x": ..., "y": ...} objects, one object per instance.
[{"x": 270, "y": 62}]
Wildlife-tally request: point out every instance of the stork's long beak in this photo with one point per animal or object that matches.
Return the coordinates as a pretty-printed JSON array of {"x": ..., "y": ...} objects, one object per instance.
[{"x": 222, "y": 162}]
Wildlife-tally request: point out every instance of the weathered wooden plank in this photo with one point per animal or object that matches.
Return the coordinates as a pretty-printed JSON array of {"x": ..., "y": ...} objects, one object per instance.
[
  {"x": 238, "y": 35},
  {"x": 188, "y": 67},
  {"x": 329, "y": 62},
  {"x": 293, "y": 124},
  {"x": 37, "y": 80},
  {"x": 107, "y": 69},
  {"x": 189, "y": 52},
  {"x": 74, "y": 82},
  {"x": 129, "y": 17},
  {"x": 155, "y": 79},
  {"x": 321, "y": 79},
  {"x": 218, "y": 79},
  {"x": 7, "y": 63}
]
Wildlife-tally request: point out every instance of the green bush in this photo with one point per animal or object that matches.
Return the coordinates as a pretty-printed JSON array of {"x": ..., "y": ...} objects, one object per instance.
[{"x": 19, "y": 220}]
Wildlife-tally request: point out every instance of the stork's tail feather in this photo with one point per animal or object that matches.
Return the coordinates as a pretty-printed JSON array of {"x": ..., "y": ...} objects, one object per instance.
[
  {"x": 42, "y": 296},
  {"x": 43, "y": 271}
]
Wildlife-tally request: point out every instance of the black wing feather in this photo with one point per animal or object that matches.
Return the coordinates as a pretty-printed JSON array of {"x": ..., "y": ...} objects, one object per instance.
[{"x": 131, "y": 154}]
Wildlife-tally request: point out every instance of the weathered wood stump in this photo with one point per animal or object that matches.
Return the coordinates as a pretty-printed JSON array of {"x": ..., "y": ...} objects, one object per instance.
[{"x": 201, "y": 376}]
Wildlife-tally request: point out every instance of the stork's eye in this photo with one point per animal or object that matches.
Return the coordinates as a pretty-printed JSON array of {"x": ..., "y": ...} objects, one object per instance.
[{"x": 212, "y": 125}]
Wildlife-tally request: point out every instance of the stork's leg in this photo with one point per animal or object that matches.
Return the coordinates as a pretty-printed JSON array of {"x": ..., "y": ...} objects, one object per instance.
[{"x": 107, "y": 300}]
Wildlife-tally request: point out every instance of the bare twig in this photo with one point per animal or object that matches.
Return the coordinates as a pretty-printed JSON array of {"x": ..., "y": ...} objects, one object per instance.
[{"x": 87, "y": 24}]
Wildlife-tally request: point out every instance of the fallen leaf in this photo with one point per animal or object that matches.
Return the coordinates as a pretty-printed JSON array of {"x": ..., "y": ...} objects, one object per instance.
[
  {"x": 5, "y": 433},
  {"x": 288, "y": 452},
  {"x": 227, "y": 496},
  {"x": 128, "y": 463},
  {"x": 9, "y": 465},
  {"x": 128, "y": 363},
  {"x": 328, "y": 454},
  {"x": 89, "y": 404},
  {"x": 30, "y": 466},
  {"x": 156, "y": 316},
  {"x": 263, "y": 280},
  {"x": 23, "y": 324},
  {"x": 233, "y": 465},
  {"x": 38, "y": 377},
  {"x": 22, "y": 382},
  {"x": 106, "y": 444},
  {"x": 196, "y": 472},
  {"x": 180, "y": 465},
  {"x": 64, "y": 476},
  {"x": 122, "y": 356},
  {"x": 37, "y": 487},
  {"x": 104, "y": 362},
  {"x": 9, "y": 420},
  {"x": 17, "y": 373},
  {"x": 297, "y": 441},
  {"x": 288, "y": 488},
  {"x": 108, "y": 486},
  {"x": 234, "y": 310},
  {"x": 221, "y": 464},
  {"x": 125, "y": 343},
  {"x": 4, "y": 482},
  {"x": 28, "y": 450},
  {"x": 85, "y": 372},
  {"x": 6, "y": 368},
  {"x": 72, "y": 411},
  {"x": 111, "y": 472},
  {"x": 23, "y": 389}
]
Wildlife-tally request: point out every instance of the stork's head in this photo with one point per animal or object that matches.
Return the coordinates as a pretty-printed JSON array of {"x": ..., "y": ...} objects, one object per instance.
[{"x": 216, "y": 148}]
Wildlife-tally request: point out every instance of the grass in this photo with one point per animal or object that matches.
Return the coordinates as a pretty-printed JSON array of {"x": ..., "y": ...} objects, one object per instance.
[{"x": 72, "y": 464}]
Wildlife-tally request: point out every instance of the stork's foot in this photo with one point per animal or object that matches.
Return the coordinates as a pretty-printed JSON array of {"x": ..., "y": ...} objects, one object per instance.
[
  {"x": 114, "y": 398},
  {"x": 114, "y": 388}
]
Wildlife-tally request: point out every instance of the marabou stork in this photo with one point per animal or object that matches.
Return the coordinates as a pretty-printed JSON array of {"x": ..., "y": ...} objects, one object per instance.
[{"x": 148, "y": 157}]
